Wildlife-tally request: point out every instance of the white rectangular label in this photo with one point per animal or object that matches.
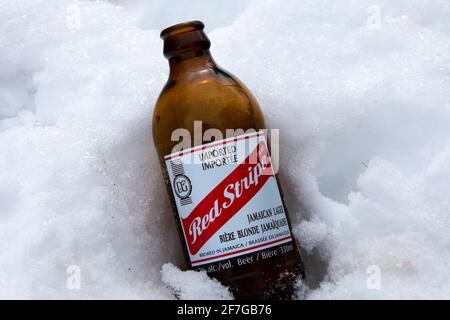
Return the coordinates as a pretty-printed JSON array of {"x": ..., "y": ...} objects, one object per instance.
[{"x": 227, "y": 198}]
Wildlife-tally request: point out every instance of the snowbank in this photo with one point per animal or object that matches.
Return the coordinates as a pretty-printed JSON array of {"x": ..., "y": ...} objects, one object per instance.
[{"x": 359, "y": 90}]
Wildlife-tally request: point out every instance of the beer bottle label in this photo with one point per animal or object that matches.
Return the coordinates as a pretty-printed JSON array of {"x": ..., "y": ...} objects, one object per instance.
[{"x": 228, "y": 199}]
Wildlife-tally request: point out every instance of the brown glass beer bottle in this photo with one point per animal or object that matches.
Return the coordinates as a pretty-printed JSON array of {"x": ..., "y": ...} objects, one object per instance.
[{"x": 226, "y": 199}]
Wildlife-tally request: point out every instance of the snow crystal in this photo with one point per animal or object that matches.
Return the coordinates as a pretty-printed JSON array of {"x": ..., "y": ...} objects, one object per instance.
[{"x": 359, "y": 90}]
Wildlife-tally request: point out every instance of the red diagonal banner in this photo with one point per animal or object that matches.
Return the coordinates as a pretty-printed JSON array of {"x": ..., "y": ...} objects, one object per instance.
[{"x": 227, "y": 198}]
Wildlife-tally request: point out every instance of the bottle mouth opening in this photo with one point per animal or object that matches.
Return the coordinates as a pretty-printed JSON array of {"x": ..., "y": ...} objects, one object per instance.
[{"x": 181, "y": 28}]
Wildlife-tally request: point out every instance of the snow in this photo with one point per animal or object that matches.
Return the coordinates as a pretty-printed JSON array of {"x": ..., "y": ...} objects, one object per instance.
[
  {"x": 192, "y": 285},
  {"x": 359, "y": 90}
]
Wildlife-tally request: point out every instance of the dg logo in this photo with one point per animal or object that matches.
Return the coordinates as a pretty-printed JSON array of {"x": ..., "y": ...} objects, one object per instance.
[{"x": 182, "y": 186}]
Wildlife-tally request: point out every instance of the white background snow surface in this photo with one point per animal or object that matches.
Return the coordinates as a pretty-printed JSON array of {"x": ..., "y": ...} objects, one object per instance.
[{"x": 359, "y": 89}]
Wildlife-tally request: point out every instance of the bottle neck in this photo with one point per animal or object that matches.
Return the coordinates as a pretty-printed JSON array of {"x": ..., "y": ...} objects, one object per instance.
[
  {"x": 193, "y": 62},
  {"x": 186, "y": 46}
]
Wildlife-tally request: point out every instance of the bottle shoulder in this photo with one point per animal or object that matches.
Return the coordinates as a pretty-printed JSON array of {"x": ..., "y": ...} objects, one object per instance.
[
  {"x": 212, "y": 88},
  {"x": 200, "y": 80},
  {"x": 213, "y": 96}
]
